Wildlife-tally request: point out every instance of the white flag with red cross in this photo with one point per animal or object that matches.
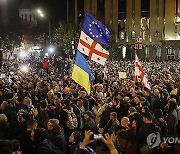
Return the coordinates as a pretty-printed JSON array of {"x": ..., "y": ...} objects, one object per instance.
[
  {"x": 139, "y": 73},
  {"x": 92, "y": 49},
  {"x": 138, "y": 43}
]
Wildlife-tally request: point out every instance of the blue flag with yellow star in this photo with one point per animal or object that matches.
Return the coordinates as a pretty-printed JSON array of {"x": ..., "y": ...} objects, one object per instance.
[{"x": 95, "y": 29}]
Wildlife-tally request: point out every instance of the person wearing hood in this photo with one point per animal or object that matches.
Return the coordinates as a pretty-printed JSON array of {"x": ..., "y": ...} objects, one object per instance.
[{"x": 56, "y": 134}]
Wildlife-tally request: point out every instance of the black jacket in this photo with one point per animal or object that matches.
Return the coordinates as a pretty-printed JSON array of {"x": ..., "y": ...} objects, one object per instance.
[
  {"x": 145, "y": 131},
  {"x": 57, "y": 137},
  {"x": 44, "y": 147}
]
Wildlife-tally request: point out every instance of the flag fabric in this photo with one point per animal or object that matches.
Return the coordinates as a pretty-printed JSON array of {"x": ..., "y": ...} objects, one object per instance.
[
  {"x": 92, "y": 49},
  {"x": 81, "y": 72},
  {"x": 95, "y": 29},
  {"x": 139, "y": 73}
]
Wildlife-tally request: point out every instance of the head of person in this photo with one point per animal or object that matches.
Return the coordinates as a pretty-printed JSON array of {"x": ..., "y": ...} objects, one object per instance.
[
  {"x": 4, "y": 105},
  {"x": 145, "y": 109},
  {"x": 126, "y": 99},
  {"x": 32, "y": 124},
  {"x": 38, "y": 135},
  {"x": 147, "y": 118},
  {"x": 115, "y": 101},
  {"x": 172, "y": 104},
  {"x": 43, "y": 105},
  {"x": 53, "y": 124},
  {"x": 113, "y": 116},
  {"x": 79, "y": 102},
  {"x": 75, "y": 137},
  {"x": 3, "y": 119},
  {"x": 82, "y": 94},
  {"x": 125, "y": 122},
  {"x": 158, "y": 113},
  {"x": 87, "y": 115},
  {"x": 156, "y": 92},
  {"x": 100, "y": 102},
  {"x": 132, "y": 110}
]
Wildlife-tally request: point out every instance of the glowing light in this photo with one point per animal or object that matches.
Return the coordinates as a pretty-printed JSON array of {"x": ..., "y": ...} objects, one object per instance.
[
  {"x": 24, "y": 68},
  {"x": 22, "y": 54},
  {"x": 51, "y": 49}
]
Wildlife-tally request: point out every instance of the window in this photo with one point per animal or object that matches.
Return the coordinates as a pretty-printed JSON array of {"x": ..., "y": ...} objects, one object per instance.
[
  {"x": 122, "y": 35},
  {"x": 133, "y": 35}
]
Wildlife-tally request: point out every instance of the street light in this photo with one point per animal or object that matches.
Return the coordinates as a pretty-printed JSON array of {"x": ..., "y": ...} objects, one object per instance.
[{"x": 40, "y": 13}]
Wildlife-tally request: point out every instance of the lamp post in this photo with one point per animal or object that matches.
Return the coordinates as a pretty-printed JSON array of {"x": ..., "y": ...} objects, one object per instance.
[{"x": 40, "y": 13}]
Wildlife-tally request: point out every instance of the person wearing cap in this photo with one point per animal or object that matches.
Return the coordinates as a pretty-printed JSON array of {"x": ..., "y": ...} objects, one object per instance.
[{"x": 56, "y": 134}]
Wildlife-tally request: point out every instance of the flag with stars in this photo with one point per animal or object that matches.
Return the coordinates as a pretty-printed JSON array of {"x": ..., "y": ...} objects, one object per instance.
[
  {"x": 92, "y": 49},
  {"x": 95, "y": 29}
]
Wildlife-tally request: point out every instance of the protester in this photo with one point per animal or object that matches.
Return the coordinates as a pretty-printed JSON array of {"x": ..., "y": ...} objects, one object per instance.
[{"x": 33, "y": 99}]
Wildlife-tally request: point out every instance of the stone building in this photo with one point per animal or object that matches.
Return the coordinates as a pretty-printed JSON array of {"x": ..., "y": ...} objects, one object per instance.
[
  {"x": 159, "y": 26},
  {"x": 27, "y": 13}
]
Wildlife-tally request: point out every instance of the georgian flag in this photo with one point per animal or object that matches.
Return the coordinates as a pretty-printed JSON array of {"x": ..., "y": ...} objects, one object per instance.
[
  {"x": 91, "y": 48},
  {"x": 139, "y": 73}
]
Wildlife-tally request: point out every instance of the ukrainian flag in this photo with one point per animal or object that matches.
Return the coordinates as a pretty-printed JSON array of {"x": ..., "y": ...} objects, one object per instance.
[{"x": 81, "y": 73}]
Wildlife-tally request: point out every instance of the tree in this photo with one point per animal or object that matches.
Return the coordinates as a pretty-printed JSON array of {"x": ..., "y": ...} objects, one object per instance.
[{"x": 64, "y": 35}]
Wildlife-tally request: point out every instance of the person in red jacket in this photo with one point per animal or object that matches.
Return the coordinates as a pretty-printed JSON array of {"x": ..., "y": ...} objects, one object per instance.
[{"x": 46, "y": 64}]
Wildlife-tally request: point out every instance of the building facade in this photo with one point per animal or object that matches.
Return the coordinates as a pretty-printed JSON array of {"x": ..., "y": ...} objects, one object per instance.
[
  {"x": 158, "y": 26},
  {"x": 27, "y": 13}
]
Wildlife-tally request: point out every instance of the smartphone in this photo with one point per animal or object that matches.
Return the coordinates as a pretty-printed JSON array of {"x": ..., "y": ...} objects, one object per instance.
[{"x": 98, "y": 136}]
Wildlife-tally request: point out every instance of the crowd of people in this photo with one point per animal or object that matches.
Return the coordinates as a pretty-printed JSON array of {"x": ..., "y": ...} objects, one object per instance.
[{"x": 43, "y": 111}]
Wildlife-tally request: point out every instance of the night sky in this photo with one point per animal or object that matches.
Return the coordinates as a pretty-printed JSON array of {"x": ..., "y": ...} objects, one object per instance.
[{"x": 55, "y": 10}]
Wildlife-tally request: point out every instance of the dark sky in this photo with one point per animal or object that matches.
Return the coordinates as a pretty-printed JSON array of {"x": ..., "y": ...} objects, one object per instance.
[{"x": 56, "y": 9}]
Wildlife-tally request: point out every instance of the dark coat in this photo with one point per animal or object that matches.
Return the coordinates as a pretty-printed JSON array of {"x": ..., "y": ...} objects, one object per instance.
[
  {"x": 90, "y": 125},
  {"x": 171, "y": 120},
  {"x": 145, "y": 131},
  {"x": 57, "y": 137},
  {"x": 44, "y": 147},
  {"x": 125, "y": 140},
  {"x": 26, "y": 143}
]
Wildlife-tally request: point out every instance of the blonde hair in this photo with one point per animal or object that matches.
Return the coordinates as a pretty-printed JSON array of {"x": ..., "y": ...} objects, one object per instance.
[{"x": 3, "y": 118}]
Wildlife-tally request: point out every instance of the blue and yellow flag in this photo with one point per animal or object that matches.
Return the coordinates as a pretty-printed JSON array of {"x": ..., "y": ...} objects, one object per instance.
[{"x": 81, "y": 73}]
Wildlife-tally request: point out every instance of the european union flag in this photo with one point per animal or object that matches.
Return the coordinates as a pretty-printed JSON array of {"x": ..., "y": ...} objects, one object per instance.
[{"x": 95, "y": 29}]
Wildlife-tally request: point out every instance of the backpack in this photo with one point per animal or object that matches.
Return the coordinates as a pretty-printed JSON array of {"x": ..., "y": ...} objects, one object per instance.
[{"x": 72, "y": 122}]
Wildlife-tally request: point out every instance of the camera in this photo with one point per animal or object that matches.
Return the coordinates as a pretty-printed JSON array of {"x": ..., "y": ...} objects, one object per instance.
[{"x": 97, "y": 136}]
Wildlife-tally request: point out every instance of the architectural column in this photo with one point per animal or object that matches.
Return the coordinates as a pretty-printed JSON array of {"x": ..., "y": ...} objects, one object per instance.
[
  {"x": 161, "y": 19},
  {"x": 115, "y": 18},
  {"x": 152, "y": 18},
  {"x": 128, "y": 20},
  {"x": 94, "y": 8},
  {"x": 170, "y": 11},
  {"x": 137, "y": 17},
  {"x": 107, "y": 12},
  {"x": 87, "y": 6},
  {"x": 140, "y": 53},
  {"x": 178, "y": 6}
]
